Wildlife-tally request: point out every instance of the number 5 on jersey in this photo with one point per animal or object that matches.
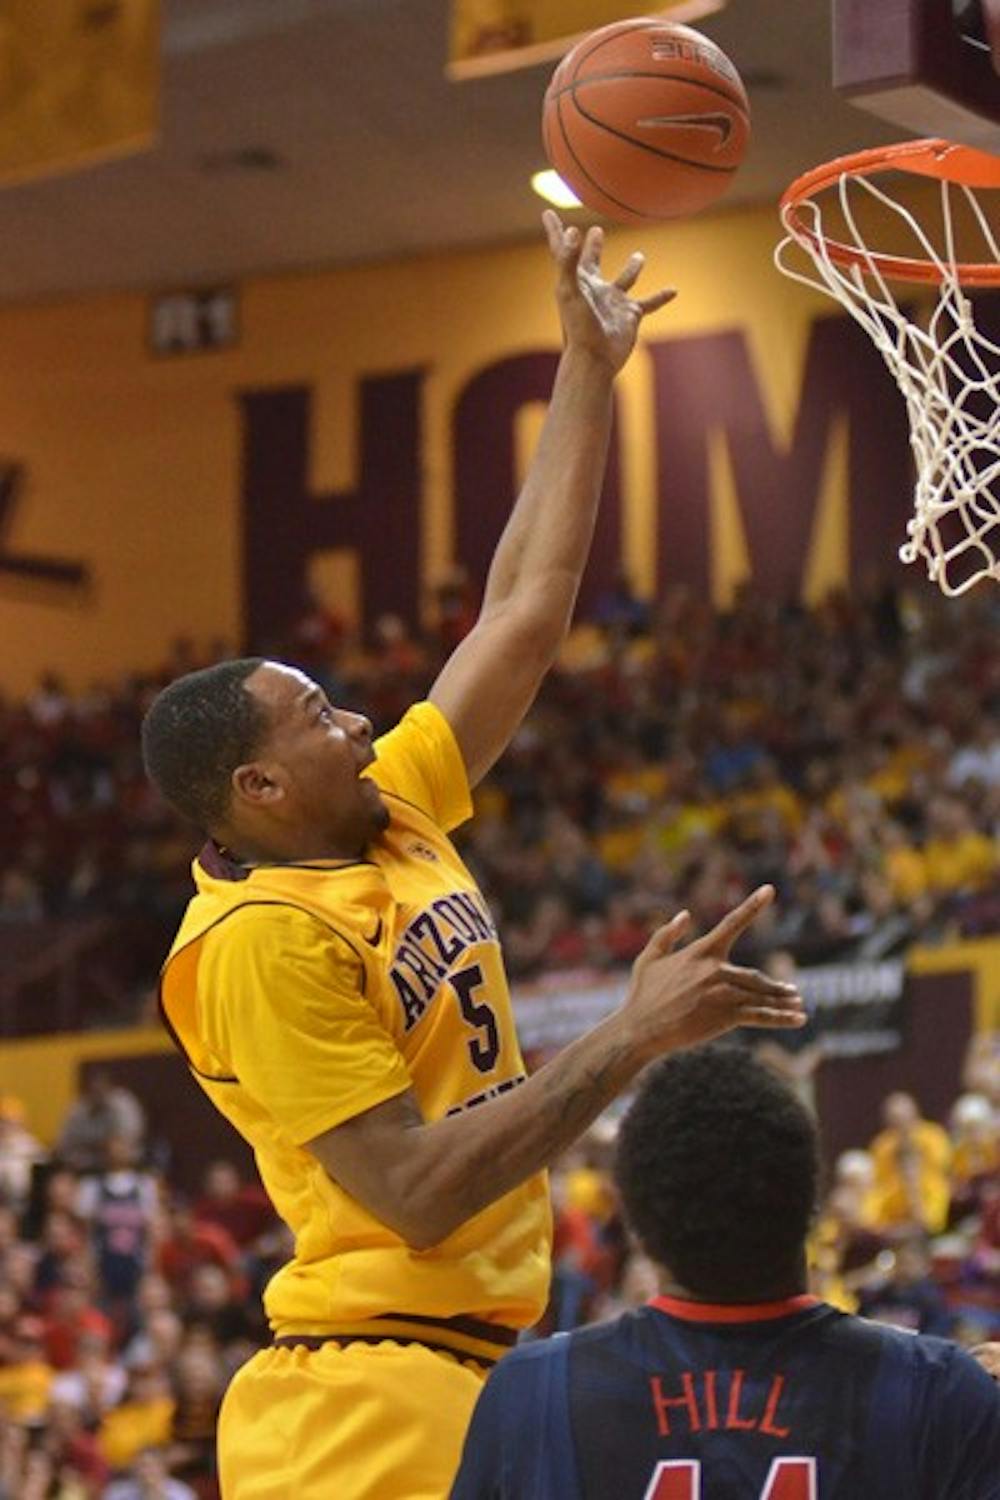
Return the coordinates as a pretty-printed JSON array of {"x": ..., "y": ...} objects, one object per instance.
[
  {"x": 484, "y": 1048},
  {"x": 787, "y": 1479}
]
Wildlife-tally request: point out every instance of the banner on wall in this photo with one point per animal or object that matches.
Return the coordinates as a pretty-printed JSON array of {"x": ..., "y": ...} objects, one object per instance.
[
  {"x": 79, "y": 81},
  {"x": 493, "y": 36},
  {"x": 856, "y": 1009}
]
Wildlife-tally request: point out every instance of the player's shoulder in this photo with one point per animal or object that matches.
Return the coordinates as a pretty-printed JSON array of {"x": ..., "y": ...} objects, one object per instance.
[
  {"x": 621, "y": 1329},
  {"x": 422, "y": 731},
  {"x": 955, "y": 1410},
  {"x": 531, "y": 1382},
  {"x": 540, "y": 1360},
  {"x": 942, "y": 1378},
  {"x": 422, "y": 718},
  {"x": 516, "y": 1395},
  {"x": 921, "y": 1351},
  {"x": 533, "y": 1364},
  {"x": 275, "y": 929},
  {"x": 951, "y": 1367},
  {"x": 533, "y": 1355},
  {"x": 420, "y": 763},
  {"x": 260, "y": 922}
]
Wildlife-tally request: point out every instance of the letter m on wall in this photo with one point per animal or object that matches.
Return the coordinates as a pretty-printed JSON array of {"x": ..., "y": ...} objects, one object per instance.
[{"x": 707, "y": 384}]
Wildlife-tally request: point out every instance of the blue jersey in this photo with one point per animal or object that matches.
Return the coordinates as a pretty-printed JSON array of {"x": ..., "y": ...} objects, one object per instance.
[{"x": 689, "y": 1401}]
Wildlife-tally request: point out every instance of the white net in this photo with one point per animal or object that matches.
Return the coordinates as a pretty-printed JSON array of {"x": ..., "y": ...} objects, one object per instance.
[{"x": 947, "y": 369}]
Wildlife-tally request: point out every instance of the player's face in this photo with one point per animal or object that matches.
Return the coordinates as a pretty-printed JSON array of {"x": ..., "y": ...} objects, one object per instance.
[{"x": 317, "y": 754}]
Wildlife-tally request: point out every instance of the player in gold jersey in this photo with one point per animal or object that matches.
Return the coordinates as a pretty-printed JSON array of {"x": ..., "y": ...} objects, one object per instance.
[{"x": 338, "y": 990}]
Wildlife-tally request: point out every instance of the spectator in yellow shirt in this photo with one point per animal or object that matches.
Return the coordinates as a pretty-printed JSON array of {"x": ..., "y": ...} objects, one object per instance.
[
  {"x": 143, "y": 1420},
  {"x": 957, "y": 856},
  {"x": 25, "y": 1382},
  {"x": 762, "y": 797},
  {"x": 912, "y": 1158},
  {"x": 903, "y": 864}
]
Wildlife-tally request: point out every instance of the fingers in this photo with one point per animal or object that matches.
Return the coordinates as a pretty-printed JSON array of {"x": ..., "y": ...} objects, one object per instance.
[
  {"x": 771, "y": 1017},
  {"x": 629, "y": 275},
  {"x": 630, "y": 272},
  {"x": 724, "y": 934},
  {"x": 552, "y": 224},
  {"x": 754, "y": 982},
  {"x": 665, "y": 939},
  {"x": 564, "y": 243},
  {"x": 655, "y": 300},
  {"x": 566, "y": 246},
  {"x": 590, "y": 255}
]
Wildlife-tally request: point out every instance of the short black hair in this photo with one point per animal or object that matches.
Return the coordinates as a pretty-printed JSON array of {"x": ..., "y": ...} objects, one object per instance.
[
  {"x": 195, "y": 734},
  {"x": 718, "y": 1168}
]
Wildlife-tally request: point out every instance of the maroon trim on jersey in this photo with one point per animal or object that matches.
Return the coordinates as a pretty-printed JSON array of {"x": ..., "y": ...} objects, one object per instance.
[
  {"x": 215, "y": 861},
  {"x": 219, "y": 865},
  {"x": 732, "y": 1312}
]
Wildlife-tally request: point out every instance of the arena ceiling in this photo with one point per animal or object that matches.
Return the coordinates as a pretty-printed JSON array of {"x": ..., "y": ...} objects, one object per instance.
[{"x": 304, "y": 133}]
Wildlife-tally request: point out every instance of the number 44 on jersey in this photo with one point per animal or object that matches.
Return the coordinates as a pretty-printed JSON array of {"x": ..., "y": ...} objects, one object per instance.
[{"x": 680, "y": 1479}]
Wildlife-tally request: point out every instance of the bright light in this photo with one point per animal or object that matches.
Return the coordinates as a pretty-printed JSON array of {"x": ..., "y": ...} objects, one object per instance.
[{"x": 550, "y": 186}]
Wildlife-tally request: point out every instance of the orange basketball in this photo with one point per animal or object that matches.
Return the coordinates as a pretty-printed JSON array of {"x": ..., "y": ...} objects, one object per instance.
[{"x": 646, "y": 120}]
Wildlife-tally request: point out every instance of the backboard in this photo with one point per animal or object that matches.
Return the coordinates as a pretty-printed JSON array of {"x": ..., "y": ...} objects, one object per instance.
[{"x": 930, "y": 66}]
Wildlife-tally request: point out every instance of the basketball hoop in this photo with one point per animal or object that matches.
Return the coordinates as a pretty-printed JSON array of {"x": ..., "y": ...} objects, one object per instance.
[{"x": 947, "y": 369}]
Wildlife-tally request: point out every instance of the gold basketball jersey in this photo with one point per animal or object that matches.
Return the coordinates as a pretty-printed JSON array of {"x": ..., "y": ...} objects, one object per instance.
[{"x": 303, "y": 994}]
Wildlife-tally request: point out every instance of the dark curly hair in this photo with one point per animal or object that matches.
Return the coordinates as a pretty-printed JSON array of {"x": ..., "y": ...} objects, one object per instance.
[
  {"x": 718, "y": 1168},
  {"x": 195, "y": 734}
]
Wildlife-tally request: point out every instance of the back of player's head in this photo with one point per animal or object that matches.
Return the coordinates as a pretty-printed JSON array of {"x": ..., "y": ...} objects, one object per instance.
[
  {"x": 718, "y": 1167},
  {"x": 196, "y": 733}
]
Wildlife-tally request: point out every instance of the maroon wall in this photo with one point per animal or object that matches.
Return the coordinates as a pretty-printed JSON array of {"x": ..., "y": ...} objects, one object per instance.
[
  {"x": 937, "y": 1026},
  {"x": 182, "y": 1122}
]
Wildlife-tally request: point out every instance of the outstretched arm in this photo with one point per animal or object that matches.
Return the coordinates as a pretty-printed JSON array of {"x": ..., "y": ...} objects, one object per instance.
[
  {"x": 425, "y": 1179},
  {"x": 490, "y": 681}
]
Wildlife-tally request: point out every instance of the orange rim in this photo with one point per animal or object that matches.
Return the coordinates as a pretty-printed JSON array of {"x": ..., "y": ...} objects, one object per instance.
[{"x": 924, "y": 158}]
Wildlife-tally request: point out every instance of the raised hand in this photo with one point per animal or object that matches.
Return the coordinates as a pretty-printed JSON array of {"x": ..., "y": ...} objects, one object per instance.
[
  {"x": 680, "y": 997},
  {"x": 597, "y": 315}
]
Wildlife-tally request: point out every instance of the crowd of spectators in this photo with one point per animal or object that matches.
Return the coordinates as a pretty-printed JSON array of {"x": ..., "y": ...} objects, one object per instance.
[
  {"x": 850, "y": 753},
  {"x": 124, "y": 1309}
]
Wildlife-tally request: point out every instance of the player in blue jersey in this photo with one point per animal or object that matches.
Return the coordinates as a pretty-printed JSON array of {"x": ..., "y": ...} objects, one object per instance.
[{"x": 734, "y": 1384}]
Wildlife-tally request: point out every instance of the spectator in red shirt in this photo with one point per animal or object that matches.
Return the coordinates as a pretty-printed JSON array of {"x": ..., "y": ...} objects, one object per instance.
[
  {"x": 189, "y": 1244},
  {"x": 73, "y": 1448},
  {"x": 242, "y": 1209},
  {"x": 72, "y": 1315}
]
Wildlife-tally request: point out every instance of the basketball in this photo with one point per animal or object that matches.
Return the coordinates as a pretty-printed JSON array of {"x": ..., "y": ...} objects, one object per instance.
[{"x": 646, "y": 120}]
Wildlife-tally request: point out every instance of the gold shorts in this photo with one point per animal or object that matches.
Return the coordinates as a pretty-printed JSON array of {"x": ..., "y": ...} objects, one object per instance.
[{"x": 352, "y": 1421}]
